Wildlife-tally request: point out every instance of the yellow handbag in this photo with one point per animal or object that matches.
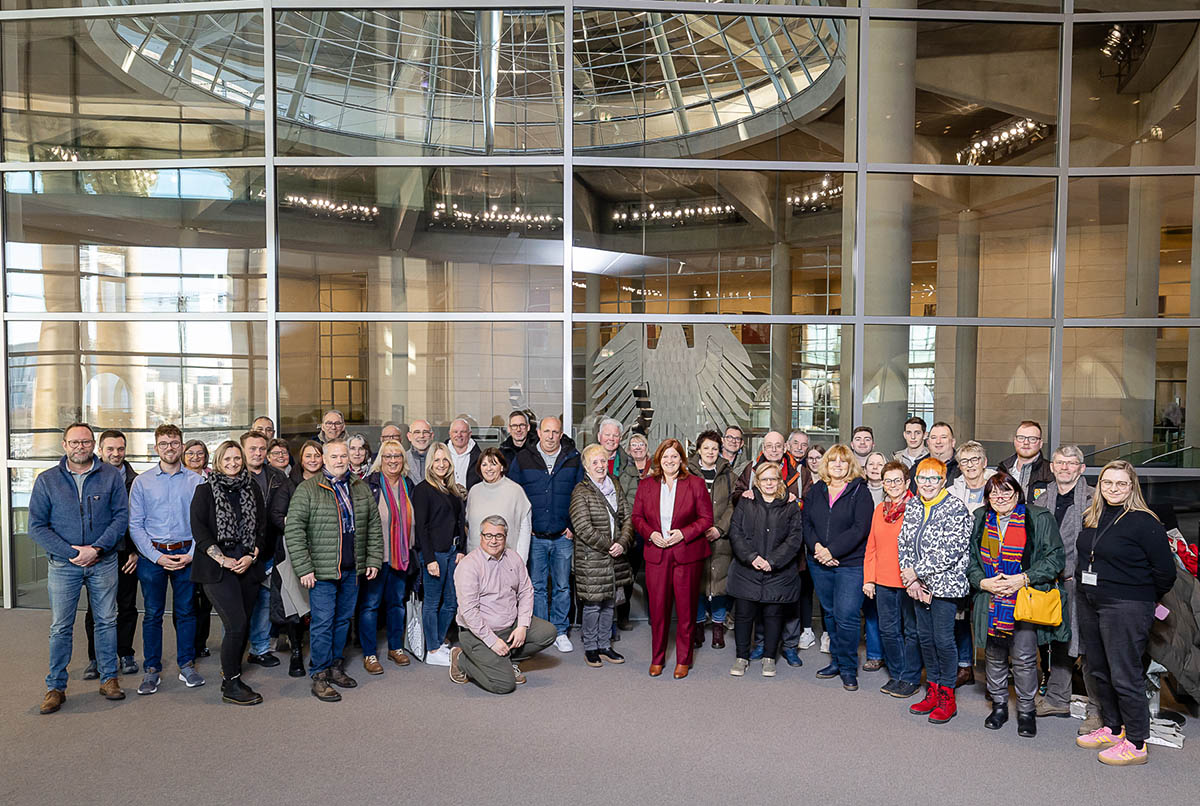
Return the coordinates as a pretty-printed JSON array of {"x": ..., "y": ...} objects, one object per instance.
[{"x": 1039, "y": 607}]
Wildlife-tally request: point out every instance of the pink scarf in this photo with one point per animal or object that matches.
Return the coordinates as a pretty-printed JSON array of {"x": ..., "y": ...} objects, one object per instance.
[{"x": 400, "y": 519}]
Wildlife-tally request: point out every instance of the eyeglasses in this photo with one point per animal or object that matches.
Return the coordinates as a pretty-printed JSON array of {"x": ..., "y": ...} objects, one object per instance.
[
  {"x": 1109, "y": 484},
  {"x": 1066, "y": 463},
  {"x": 494, "y": 537},
  {"x": 278, "y": 452},
  {"x": 893, "y": 482},
  {"x": 970, "y": 461},
  {"x": 391, "y": 457},
  {"x": 169, "y": 443},
  {"x": 765, "y": 479},
  {"x": 81, "y": 443},
  {"x": 928, "y": 479},
  {"x": 1001, "y": 494},
  {"x": 734, "y": 438},
  {"x": 333, "y": 422},
  {"x": 421, "y": 431},
  {"x": 1027, "y": 440}
]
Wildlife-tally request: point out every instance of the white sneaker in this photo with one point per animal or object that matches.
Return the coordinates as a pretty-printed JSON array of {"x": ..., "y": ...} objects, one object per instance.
[
  {"x": 438, "y": 657},
  {"x": 825, "y": 642},
  {"x": 563, "y": 644},
  {"x": 807, "y": 639}
]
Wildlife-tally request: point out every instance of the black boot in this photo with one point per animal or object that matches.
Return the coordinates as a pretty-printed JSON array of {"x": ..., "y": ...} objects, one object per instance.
[
  {"x": 1027, "y": 724},
  {"x": 236, "y": 692},
  {"x": 296, "y": 668},
  {"x": 997, "y": 717}
]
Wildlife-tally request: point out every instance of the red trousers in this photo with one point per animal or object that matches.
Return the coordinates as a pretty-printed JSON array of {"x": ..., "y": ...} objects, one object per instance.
[{"x": 670, "y": 582}]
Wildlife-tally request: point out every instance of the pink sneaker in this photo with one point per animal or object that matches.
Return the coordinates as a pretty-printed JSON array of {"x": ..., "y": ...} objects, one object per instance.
[
  {"x": 1103, "y": 737},
  {"x": 1123, "y": 753}
]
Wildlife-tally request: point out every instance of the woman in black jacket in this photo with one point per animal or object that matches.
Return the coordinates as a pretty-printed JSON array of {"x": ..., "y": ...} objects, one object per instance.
[
  {"x": 440, "y": 527},
  {"x": 1125, "y": 566},
  {"x": 229, "y": 526},
  {"x": 767, "y": 538},
  {"x": 837, "y": 521}
]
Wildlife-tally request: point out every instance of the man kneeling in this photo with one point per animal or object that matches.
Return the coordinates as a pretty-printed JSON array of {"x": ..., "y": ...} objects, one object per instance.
[{"x": 495, "y": 610}]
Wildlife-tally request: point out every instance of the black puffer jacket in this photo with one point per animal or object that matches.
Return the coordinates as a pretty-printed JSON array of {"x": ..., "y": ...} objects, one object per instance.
[
  {"x": 597, "y": 573},
  {"x": 1175, "y": 641},
  {"x": 772, "y": 530}
]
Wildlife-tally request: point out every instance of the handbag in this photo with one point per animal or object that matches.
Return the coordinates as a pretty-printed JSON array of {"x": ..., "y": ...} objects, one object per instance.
[
  {"x": 1039, "y": 607},
  {"x": 414, "y": 634}
]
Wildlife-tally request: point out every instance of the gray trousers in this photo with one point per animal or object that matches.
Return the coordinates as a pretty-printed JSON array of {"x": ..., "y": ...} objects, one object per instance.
[
  {"x": 1022, "y": 650},
  {"x": 597, "y": 624},
  {"x": 492, "y": 672},
  {"x": 1058, "y": 688}
]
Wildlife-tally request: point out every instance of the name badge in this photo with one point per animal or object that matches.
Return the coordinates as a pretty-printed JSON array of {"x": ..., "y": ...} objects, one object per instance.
[{"x": 1087, "y": 578}]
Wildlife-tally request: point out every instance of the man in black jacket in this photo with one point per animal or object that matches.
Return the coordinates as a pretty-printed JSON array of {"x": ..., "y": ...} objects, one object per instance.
[
  {"x": 1027, "y": 465},
  {"x": 518, "y": 435},
  {"x": 112, "y": 452},
  {"x": 273, "y": 484}
]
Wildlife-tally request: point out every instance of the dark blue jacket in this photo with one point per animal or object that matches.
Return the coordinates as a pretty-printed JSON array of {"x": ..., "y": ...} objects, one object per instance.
[
  {"x": 549, "y": 494},
  {"x": 844, "y": 529},
  {"x": 58, "y": 519}
]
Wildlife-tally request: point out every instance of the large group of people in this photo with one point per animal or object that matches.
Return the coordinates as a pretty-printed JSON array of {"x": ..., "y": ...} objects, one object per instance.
[{"x": 929, "y": 554}]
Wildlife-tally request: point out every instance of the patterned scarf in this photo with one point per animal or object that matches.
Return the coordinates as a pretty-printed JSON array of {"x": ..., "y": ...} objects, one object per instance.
[
  {"x": 234, "y": 528},
  {"x": 1002, "y": 555},
  {"x": 345, "y": 501},
  {"x": 894, "y": 510},
  {"x": 400, "y": 521}
]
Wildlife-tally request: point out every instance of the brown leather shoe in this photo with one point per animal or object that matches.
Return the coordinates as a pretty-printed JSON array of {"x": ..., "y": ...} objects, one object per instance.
[
  {"x": 398, "y": 657},
  {"x": 718, "y": 637},
  {"x": 111, "y": 689},
  {"x": 371, "y": 664},
  {"x": 655, "y": 669},
  {"x": 966, "y": 675},
  {"x": 321, "y": 688},
  {"x": 698, "y": 636},
  {"x": 456, "y": 672},
  {"x": 53, "y": 701},
  {"x": 681, "y": 670}
]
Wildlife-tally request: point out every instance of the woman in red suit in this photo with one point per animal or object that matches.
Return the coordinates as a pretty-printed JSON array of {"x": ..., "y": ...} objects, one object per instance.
[{"x": 671, "y": 511}]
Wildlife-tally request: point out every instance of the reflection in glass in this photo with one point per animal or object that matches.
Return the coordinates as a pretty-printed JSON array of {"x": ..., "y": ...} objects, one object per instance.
[
  {"x": 420, "y": 239},
  {"x": 400, "y": 371},
  {"x": 1027, "y": 6},
  {"x": 1129, "y": 246},
  {"x": 959, "y": 245},
  {"x": 676, "y": 380},
  {"x": 1126, "y": 394},
  {"x": 142, "y": 240},
  {"x": 29, "y": 560},
  {"x": 963, "y": 93},
  {"x": 714, "y": 85},
  {"x": 1133, "y": 93},
  {"x": 133, "y": 87},
  {"x": 658, "y": 240},
  {"x": 981, "y": 380},
  {"x": 396, "y": 82},
  {"x": 209, "y": 378}
]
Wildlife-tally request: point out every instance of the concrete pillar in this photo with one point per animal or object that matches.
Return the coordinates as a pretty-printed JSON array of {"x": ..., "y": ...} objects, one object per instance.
[
  {"x": 966, "y": 342},
  {"x": 781, "y": 339},
  {"x": 1141, "y": 299},
  {"x": 891, "y": 70}
]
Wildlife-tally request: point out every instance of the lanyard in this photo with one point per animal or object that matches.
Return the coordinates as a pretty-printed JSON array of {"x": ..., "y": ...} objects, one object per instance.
[{"x": 1100, "y": 534}]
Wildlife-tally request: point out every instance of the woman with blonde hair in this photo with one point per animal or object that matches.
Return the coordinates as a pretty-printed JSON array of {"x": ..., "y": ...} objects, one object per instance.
[
  {"x": 837, "y": 522},
  {"x": 1125, "y": 566},
  {"x": 439, "y": 519}
]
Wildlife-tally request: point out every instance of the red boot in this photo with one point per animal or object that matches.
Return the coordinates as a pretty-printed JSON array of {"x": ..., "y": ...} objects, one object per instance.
[
  {"x": 932, "y": 698},
  {"x": 947, "y": 707}
]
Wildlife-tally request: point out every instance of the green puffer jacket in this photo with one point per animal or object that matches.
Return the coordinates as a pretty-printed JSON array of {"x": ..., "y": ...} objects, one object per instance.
[
  {"x": 716, "y": 567},
  {"x": 597, "y": 573},
  {"x": 1042, "y": 560},
  {"x": 313, "y": 531}
]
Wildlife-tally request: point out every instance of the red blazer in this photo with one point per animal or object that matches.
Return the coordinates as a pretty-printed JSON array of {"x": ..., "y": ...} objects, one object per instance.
[{"x": 693, "y": 515}]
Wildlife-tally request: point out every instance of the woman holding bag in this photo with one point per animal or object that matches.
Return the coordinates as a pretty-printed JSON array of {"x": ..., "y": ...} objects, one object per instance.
[{"x": 1013, "y": 546}]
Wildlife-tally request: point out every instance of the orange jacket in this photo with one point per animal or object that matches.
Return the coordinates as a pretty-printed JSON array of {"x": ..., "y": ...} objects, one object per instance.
[{"x": 881, "y": 563}]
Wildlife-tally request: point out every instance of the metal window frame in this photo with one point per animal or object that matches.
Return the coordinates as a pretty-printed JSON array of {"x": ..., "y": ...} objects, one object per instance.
[{"x": 858, "y": 320}]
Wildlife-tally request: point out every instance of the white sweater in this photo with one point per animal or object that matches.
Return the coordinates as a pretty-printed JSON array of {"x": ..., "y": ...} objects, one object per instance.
[{"x": 505, "y": 498}]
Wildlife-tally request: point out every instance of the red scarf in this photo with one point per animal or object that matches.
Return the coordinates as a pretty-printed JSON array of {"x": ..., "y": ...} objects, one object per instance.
[
  {"x": 894, "y": 510},
  {"x": 400, "y": 520}
]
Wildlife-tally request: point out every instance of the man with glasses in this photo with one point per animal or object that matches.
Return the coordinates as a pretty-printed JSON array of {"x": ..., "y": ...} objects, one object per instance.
[
  {"x": 914, "y": 443},
  {"x": 78, "y": 515},
  {"x": 420, "y": 437},
  {"x": 731, "y": 448},
  {"x": 495, "y": 614},
  {"x": 1068, "y": 497},
  {"x": 518, "y": 434},
  {"x": 265, "y": 426},
  {"x": 333, "y": 426},
  {"x": 160, "y": 504},
  {"x": 390, "y": 430},
  {"x": 1027, "y": 465}
]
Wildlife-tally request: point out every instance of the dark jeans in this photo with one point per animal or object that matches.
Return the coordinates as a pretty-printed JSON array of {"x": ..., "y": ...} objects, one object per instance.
[
  {"x": 770, "y": 615},
  {"x": 234, "y": 598},
  {"x": 154, "y": 579},
  {"x": 441, "y": 601},
  {"x": 332, "y": 603},
  {"x": 127, "y": 612},
  {"x": 387, "y": 588},
  {"x": 898, "y": 632},
  {"x": 840, "y": 591},
  {"x": 1113, "y": 635},
  {"x": 935, "y": 629}
]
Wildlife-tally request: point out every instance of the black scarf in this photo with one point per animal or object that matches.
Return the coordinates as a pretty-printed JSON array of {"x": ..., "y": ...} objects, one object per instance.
[{"x": 234, "y": 528}]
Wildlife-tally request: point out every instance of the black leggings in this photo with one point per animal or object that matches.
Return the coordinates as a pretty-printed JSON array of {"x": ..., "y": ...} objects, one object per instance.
[
  {"x": 233, "y": 598},
  {"x": 771, "y": 614}
]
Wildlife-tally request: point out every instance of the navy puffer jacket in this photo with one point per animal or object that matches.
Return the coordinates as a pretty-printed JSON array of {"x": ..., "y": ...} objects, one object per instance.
[{"x": 549, "y": 494}]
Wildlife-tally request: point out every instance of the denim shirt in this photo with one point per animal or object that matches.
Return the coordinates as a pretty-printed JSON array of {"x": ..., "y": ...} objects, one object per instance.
[{"x": 160, "y": 509}]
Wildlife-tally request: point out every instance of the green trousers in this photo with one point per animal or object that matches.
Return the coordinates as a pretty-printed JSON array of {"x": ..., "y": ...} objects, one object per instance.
[{"x": 492, "y": 672}]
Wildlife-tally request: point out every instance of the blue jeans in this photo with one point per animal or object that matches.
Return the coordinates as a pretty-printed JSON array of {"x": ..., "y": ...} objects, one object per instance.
[
  {"x": 387, "y": 588},
  {"x": 550, "y": 564},
  {"x": 962, "y": 639},
  {"x": 840, "y": 591},
  {"x": 935, "y": 628},
  {"x": 154, "y": 580},
  {"x": 898, "y": 632},
  {"x": 64, "y": 581},
  {"x": 441, "y": 602},
  {"x": 871, "y": 627},
  {"x": 260, "y": 622},
  {"x": 712, "y": 606},
  {"x": 332, "y": 605}
]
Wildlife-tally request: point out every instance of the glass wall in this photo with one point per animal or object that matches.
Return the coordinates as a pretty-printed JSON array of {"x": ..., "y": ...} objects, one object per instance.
[{"x": 780, "y": 214}]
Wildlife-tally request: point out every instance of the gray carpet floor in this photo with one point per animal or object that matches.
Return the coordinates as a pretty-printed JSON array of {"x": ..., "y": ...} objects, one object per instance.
[{"x": 573, "y": 734}]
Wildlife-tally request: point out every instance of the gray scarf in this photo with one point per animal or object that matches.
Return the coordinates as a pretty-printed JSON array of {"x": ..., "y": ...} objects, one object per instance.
[{"x": 234, "y": 528}]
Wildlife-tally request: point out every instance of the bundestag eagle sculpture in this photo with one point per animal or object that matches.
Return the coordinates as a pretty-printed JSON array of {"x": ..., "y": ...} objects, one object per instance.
[{"x": 707, "y": 385}]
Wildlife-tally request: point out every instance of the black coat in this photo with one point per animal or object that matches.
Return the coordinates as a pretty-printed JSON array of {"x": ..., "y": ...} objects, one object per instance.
[
  {"x": 204, "y": 531},
  {"x": 774, "y": 531},
  {"x": 844, "y": 528},
  {"x": 439, "y": 521},
  {"x": 279, "y": 488},
  {"x": 1040, "y": 473}
]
